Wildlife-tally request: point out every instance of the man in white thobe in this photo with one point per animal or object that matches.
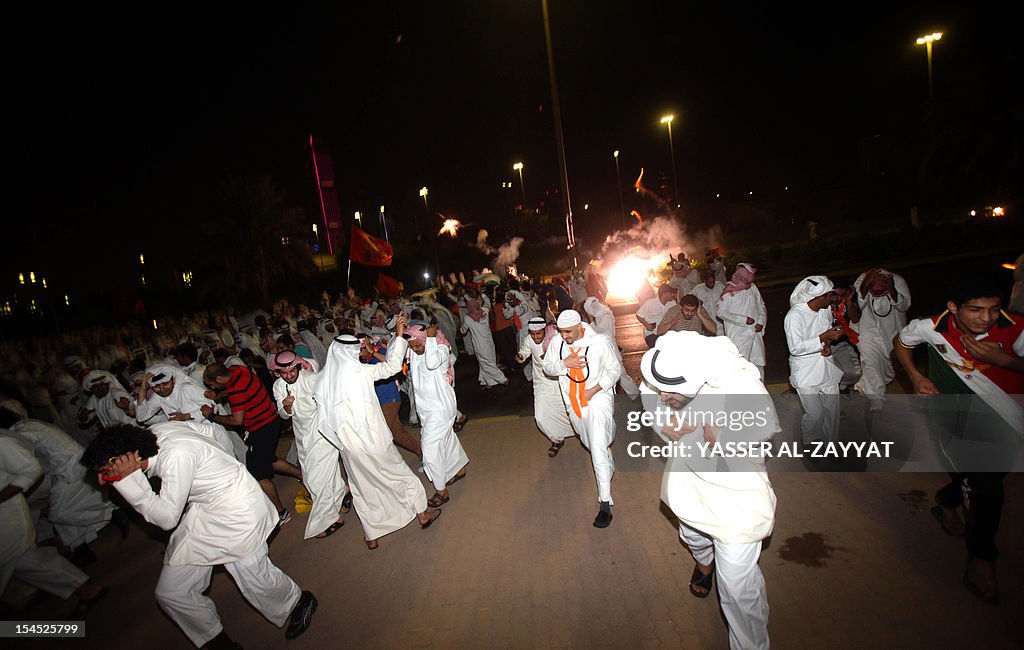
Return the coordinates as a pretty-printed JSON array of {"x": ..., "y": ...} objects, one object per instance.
[
  {"x": 725, "y": 507},
  {"x": 108, "y": 400},
  {"x": 588, "y": 369},
  {"x": 653, "y": 310},
  {"x": 812, "y": 372},
  {"x": 883, "y": 298},
  {"x": 39, "y": 566},
  {"x": 548, "y": 408},
  {"x": 319, "y": 459},
  {"x": 708, "y": 293},
  {"x": 386, "y": 494},
  {"x": 166, "y": 388},
  {"x": 219, "y": 515},
  {"x": 430, "y": 369},
  {"x": 76, "y": 509},
  {"x": 477, "y": 326},
  {"x": 603, "y": 321},
  {"x": 518, "y": 308},
  {"x": 742, "y": 310}
]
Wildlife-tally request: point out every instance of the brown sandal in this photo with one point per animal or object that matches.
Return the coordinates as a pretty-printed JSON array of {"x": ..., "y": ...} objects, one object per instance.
[{"x": 555, "y": 448}]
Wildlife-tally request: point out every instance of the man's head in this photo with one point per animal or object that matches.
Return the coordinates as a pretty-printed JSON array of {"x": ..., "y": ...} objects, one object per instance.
[
  {"x": 976, "y": 303},
  {"x": 815, "y": 291},
  {"x": 537, "y": 329},
  {"x": 709, "y": 277},
  {"x": 570, "y": 326},
  {"x": 186, "y": 353},
  {"x": 666, "y": 293},
  {"x": 285, "y": 342},
  {"x": 689, "y": 305},
  {"x": 162, "y": 383},
  {"x": 216, "y": 376},
  {"x": 118, "y": 441}
]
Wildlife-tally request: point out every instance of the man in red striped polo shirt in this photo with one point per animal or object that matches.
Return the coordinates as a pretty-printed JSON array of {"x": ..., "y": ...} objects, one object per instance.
[{"x": 253, "y": 408}]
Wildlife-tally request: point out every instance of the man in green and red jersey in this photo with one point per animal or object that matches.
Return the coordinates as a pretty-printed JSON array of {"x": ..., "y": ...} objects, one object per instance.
[
  {"x": 253, "y": 408},
  {"x": 974, "y": 348}
]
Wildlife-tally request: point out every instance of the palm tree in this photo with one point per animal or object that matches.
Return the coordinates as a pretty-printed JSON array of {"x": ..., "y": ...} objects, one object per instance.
[{"x": 251, "y": 232}]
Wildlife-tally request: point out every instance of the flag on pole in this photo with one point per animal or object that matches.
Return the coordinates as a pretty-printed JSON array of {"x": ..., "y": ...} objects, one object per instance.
[
  {"x": 387, "y": 286},
  {"x": 369, "y": 250}
]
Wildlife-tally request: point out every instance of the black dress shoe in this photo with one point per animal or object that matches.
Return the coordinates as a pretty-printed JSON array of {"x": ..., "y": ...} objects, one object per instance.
[
  {"x": 301, "y": 615},
  {"x": 603, "y": 519},
  {"x": 222, "y": 642}
]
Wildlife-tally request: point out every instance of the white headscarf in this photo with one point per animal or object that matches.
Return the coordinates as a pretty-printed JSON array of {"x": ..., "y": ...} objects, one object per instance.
[
  {"x": 809, "y": 288},
  {"x": 343, "y": 389}
]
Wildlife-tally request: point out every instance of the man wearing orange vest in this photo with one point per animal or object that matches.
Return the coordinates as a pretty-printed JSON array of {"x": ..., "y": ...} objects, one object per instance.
[{"x": 588, "y": 368}]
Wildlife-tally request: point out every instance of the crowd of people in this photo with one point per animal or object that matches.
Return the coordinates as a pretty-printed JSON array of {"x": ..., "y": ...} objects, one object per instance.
[{"x": 202, "y": 401}]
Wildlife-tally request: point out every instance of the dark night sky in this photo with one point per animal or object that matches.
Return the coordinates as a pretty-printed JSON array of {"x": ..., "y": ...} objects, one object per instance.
[{"x": 118, "y": 120}]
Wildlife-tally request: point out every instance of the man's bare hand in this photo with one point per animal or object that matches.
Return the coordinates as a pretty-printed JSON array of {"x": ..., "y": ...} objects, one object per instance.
[
  {"x": 178, "y": 416},
  {"x": 575, "y": 362},
  {"x": 924, "y": 386},
  {"x": 750, "y": 321},
  {"x": 987, "y": 351},
  {"x": 287, "y": 403},
  {"x": 207, "y": 411}
]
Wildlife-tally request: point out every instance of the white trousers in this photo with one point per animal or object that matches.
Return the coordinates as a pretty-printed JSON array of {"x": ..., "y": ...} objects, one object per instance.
[
  {"x": 741, "y": 587},
  {"x": 43, "y": 568},
  {"x": 876, "y": 364},
  {"x": 180, "y": 593},
  {"x": 821, "y": 413},
  {"x": 596, "y": 430}
]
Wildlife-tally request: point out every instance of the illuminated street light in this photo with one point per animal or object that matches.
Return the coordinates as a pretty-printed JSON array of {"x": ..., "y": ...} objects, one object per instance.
[
  {"x": 142, "y": 258},
  {"x": 927, "y": 42},
  {"x": 32, "y": 277},
  {"x": 359, "y": 218},
  {"x": 316, "y": 231},
  {"x": 519, "y": 168},
  {"x": 21, "y": 278},
  {"x": 667, "y": 121}
]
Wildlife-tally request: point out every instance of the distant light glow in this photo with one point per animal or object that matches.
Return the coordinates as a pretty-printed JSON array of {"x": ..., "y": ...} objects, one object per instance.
[
  {"x": 154, "y": 324},
  {"x": 1012, "y": 267},
  {"x": 44, "y": 283},
  {"x": 974, "y": 213},
  {"x": 586, "y": 206},
  {"x": 316, "y": 231},
  {"x": 998, "y": 212},
  {"x": 66, "y": 300},
  {"x": 424, "y": 191},
  {"x": 32, "y": 277},
  {"x": 928, "y": 38},
  {"x": 615, "y": 153},
  {"x": 518, "y": 166},
  {"x": 142, "y": 258},
  {"x": 426, "y": 276},
  {"x": 668, "y": 119},
  {"x": 21, "y": 278}
]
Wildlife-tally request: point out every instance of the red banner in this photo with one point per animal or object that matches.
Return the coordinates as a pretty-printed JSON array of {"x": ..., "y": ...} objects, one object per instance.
[
  {"x": 387, "y": 286},
  {"x": 368, "y": 250}
]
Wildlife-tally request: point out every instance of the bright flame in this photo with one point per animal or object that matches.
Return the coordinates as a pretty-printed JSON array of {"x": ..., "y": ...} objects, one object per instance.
[
  {"x": 638, "y": 179},
  {"x": 637, "y": 215},
  {"x": 998, "y": 212},
  {"x": 1012, "y": 267},
  {"x": 626, "y": 277},
  {"x": 451, "y": 227}
]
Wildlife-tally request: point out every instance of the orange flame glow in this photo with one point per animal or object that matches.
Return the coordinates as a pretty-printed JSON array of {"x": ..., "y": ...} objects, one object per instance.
[
  {"x": 1012, "y": 267},
  {"x": 637, "y": 215},
  {"x": 451, "y": 226}
]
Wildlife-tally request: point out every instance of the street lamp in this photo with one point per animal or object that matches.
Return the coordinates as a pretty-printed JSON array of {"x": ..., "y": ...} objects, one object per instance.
[
  {"x": 522, "y": 186},
  {"x": 667, "y": 120},
  {"x": 927, "y": 42},
  {"x": 618, "y": 178},
  {"x": 359, "y": 218},
  {"x": 433, "y": 240}
]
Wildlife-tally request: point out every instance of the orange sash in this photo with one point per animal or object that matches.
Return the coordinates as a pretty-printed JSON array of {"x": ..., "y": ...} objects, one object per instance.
[{"x": 577, "y": 386}]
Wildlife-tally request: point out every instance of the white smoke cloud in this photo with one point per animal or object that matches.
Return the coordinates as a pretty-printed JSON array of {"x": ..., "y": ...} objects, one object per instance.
[
  {"x": 508, "y": 253},
  {"x": 481, "y": 242}
]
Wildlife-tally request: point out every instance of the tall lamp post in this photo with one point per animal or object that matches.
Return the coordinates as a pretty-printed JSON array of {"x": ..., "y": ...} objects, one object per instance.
[
  {"x": 618, "y": 178},
  {"x": 522, "y": 186},
  {"x": 433, "y": 238},
  {"x": 667, "y": 121},
  {"x": 927, "y": 42}
]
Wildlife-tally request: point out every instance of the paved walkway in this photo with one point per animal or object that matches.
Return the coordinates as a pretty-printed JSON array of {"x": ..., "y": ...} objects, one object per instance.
[{"x": 855, "y": 561}]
